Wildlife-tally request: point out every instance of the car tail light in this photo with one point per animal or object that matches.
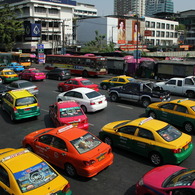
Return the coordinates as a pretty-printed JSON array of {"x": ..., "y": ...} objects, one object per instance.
[
  {"x": 38, "y": 106},
  {"x": 62, "y": 74},
  {"x": 66, "y": 188},
  {"x": 15, "y": 110},
  {"x": 88, "y": 163},
  {"x": 92, "y": 103},
  {"x": 36, "y": 88},
  {"x": 176, "y": 150}
]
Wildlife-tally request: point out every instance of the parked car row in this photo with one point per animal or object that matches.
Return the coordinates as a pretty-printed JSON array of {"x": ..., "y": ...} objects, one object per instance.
[{"x": 86, "y": 154}]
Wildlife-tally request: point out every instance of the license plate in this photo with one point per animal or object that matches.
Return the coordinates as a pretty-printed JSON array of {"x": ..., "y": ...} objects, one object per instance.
[
  {"x": 101, "y": 157},
  {"x": 27, "y": 109},
  {"x": 75, "y": 124}
]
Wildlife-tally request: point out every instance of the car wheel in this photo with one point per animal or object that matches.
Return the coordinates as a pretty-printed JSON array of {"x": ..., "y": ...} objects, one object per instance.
[
  {"x": 145, "y": 102},
  {"x": 105, "y": 87},
  {"x": 85, "y": 73},
  {"x": 59, "y": 78},
  {"x": 108, "y": 140},
  {"x": 190, "y": 94},
  {"x": 155, "y": 158},
  {"x": 188, "y": 127},
  {"x": 152, "y": 114},
  {"x": 60, "y": 89},
  {"x": 114, "y": 97},
  {"x": 70, "y": 170},
  {"x": 31, "y": 79},
  {"x": 84, "y": 108},
  {"x": 29, "y": 148},
  {"x": 12, "y": 118}
]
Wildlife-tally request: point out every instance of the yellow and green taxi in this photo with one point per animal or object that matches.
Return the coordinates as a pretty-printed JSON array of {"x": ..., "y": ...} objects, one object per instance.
[
  {"x": 20, "y": 104},
  {"x": 23, "y": 172},
  {"x": 154, "y": 139},
  {"x": 8, "y": 75},
  {"x": 116, "y": 81},
  {"x": 179, "y": 112}
]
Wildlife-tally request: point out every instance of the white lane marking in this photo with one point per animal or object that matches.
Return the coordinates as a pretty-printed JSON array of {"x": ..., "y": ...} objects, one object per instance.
[
  {"x": 45, "y": 110},
  {"x": 124, "y": 106}
]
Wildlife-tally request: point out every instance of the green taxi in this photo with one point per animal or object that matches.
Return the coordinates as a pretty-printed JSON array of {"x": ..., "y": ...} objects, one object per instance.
[
  {"x": 154, "y": 139},
  {"x": 20, "y": 104},
  {"x": 179, "y": 112},
  {"x": 8, "y": 75},
  {"x": 116, "y": 81}
]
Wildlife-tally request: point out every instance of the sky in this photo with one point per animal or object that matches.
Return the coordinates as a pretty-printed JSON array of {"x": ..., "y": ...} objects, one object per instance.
[{"x": 106, "y": 7}]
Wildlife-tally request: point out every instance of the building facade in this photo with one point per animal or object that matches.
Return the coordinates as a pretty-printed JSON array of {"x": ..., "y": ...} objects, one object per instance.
[
  {"x": 159, "y": 32},
  {"x": 49, "y": 23},
  {"x": 158, "y": 6}
]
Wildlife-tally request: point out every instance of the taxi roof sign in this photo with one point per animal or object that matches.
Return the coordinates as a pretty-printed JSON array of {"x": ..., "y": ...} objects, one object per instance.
[
  {"x": 14, "y": 155},
  {"x": 65, "y": 128},
  {"x": 179, "y": 101},
  {"x": 145, "y": 120}
]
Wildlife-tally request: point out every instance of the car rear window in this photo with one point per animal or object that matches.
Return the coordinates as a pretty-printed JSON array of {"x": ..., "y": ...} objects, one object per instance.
[
  {"x": 9, "y": 73},
  {"x": 34, "y": 177},
  {"x": 93, "y": 94},
  {"x": 86, "y": 82},
  {"x": 193, "y": 108},
  {"x": 26, "y": 84},
  {"x": 25, "y": 101},
  {"x": 85, "y": 143},
  {"x": 169, "y": 133},
  {"x": 70, "y": 112}
]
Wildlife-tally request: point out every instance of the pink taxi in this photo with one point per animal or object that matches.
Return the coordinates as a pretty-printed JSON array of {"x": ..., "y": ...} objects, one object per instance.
[
  {"x": 32, "y": 74},
  {"x": 68, "y": 112}
]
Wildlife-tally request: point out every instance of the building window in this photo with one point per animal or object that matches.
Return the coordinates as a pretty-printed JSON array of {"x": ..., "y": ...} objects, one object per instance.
[
  {"x": 172, "y": 27},
  {"x": 168, "y": 26},
  {"x": 40, "y": 9},
  {"x": 162, "y": 34},
  {"x": 163, "y": 26},
  {"x": 152, "y": 24},
  {"x": 153, "y": 33},
  {"x": 147, "y": 24},
  {"x": 53, "y": 11},
  {"x": 158, "y": 33},
  {"x": 157, "y": 42},
  {"x": 171, "y": 34},
  {"x": 167, "y": 34},
  {"x": 158, "y": 24}
]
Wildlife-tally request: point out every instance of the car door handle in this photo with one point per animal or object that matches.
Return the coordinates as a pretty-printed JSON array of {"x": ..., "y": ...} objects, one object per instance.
[{"x": 63, "y": 154}]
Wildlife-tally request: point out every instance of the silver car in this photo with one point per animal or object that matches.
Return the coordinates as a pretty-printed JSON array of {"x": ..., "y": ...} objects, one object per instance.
[{"x": 22, "y": 84}]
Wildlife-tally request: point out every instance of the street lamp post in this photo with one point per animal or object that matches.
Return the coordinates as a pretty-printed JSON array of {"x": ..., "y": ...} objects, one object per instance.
[{"x": 137, "y": 42}]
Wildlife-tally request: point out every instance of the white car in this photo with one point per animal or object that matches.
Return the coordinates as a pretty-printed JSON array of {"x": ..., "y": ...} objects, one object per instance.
[{"x": 88, "y": 99}]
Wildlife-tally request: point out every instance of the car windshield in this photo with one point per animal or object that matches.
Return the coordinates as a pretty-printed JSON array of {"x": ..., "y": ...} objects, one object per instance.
[
  {"x": 85, "y": 143},
  {"x": 9, "y": 73},
  {"x": 26, "y": 84},
  {"x": 169, "y": 133},
  {"x": 121, "y": 124},
  {"x": 34, "y": 177},
  {"x": 86, "y": 82},
  {"x": 69, "y": 112},
  {"x": 25, "y": 101},
  {"x": 184, "y": 177},
  {"x": 93, "y": 94}
]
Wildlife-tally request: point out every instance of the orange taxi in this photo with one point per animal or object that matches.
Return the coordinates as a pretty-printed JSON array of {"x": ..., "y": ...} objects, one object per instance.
[{"x": 77, "y": 151}]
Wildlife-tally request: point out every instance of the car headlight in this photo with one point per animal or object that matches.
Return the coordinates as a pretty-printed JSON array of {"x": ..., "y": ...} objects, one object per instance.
[{"x": 141, "y": 182}]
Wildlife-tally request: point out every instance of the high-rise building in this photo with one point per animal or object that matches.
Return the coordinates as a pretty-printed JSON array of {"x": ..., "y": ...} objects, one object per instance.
[
  {"x": 157, "y": 6},
  {"x": 126, "y": 7},
  {"x": 122, "y": 7}
]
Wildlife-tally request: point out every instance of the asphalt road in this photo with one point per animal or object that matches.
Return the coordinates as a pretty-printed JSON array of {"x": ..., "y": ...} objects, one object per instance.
[{"x": 118, "y": 179}]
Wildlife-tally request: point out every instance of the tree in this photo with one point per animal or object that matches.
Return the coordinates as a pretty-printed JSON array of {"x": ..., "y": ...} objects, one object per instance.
[
  {"x": 10, "y": 27},
  {"x": 98, "y": 45}
]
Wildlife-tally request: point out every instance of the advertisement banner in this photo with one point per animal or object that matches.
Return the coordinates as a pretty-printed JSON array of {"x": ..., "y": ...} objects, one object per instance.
[
  {"x": 136, "y": 31},
  {"x": 121, "y": 31},
  {"x": 32, "y": 30}
]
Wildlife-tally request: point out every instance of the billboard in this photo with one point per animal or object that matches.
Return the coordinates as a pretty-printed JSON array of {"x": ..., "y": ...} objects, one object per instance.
[
  {"x": 135, "y": 31},
  {"x": 32, "y": 30},
  {"x": 121, "y": 31}
]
